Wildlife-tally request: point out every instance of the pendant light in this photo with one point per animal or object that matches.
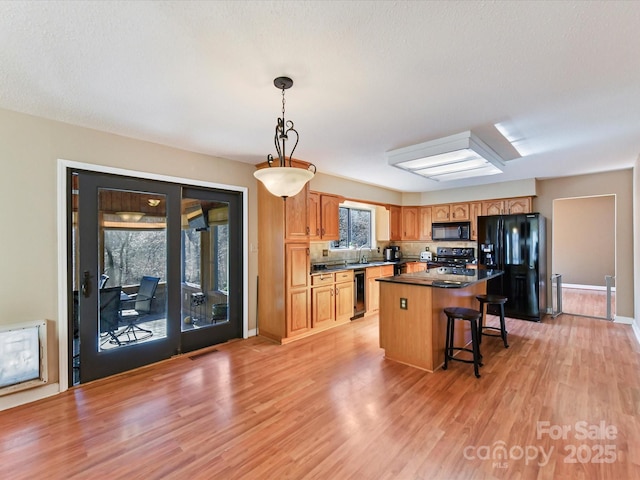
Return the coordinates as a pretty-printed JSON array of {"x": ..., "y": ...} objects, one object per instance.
[{"x": 284, "y": 180}]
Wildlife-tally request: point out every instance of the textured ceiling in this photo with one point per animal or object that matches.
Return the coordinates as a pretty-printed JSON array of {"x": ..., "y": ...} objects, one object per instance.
[{"x": 368, "y": 77}]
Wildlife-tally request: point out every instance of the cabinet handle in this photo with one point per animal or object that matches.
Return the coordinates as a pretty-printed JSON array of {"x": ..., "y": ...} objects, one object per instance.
[
  {"x": 308, "y": 230},
  {"x": 317, "y": 232},
  {"x": 322, "y": 230},
  {"x": 337, "y": 291}
]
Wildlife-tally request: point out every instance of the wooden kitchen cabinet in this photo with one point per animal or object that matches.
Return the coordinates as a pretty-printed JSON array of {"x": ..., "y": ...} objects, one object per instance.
[
  {"x": 323, "y": 306},
  {"x": 395, "y": 223},
  {"x": 297, "y": 286},
  {"x": 440, "y": 213},
  {"x": 297, "y": 216},
  {"x": 313, "y": 202},
  {"x": 424, "y": 223},
  {"x": 344, "y": 300},
  {"x": 331, "y": 299},
  {"x": 284, "y": 293},
  {"x": 475, "y": 210},
  {"x": 323, "y": 216},
  {"x": 518, "y": 205},
  {"x": 373, "y": 287},
  {"x": 410, "y": 223},
  {"x": 459, "y": 212},
  {"x": 452, "y": 212},
  {"x": 329, "y": 217},
  {"x": 507, "y": 206}
]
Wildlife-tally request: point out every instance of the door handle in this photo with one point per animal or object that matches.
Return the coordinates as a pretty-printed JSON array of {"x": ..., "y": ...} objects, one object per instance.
[{"x": 86, "y": 284}]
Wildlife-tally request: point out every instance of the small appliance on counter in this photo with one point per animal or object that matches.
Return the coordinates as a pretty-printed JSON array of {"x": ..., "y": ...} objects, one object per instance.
[
  {"x": 392, "y": 254},
  {"x": 426, "y": 256}
]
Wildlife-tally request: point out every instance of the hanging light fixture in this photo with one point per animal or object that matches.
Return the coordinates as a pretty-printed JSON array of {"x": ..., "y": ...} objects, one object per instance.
[{"x": 284, "y": 180}]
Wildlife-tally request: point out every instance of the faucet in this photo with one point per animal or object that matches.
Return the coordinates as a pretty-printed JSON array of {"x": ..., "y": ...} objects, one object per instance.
[{"x": 363, "y": 258}]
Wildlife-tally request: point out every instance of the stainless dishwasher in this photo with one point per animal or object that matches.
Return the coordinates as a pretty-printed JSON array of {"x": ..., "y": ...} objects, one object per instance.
[{"x": 359, "y": 288}]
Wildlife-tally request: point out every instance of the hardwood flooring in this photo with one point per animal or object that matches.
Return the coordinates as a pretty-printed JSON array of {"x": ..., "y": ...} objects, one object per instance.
[
  {"x": 331, "y": 407},
  {"x": 590, "y": 303}
]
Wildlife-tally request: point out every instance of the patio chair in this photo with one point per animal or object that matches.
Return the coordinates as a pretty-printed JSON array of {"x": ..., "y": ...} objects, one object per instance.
[
  {"x": 142, "y": 307},
  {"x": 109, "y": 315}
]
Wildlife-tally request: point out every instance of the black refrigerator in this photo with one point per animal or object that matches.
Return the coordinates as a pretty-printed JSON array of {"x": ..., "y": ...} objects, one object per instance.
[{"x": 515, "y": 244}]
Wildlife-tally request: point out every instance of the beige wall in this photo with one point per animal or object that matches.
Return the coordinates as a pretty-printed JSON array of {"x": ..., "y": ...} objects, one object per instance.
[
  {"x": 581, "y": 256},
  {"x": 30, "y": 148},
  {"x": 618, "y": 183}
]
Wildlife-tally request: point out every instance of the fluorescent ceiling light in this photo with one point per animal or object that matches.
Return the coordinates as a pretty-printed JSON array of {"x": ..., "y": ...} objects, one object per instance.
[{"x": 450, "y": 158}]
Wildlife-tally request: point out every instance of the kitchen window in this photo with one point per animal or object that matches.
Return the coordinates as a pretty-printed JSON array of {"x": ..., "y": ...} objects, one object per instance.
[{"x": 355, "y": 225}]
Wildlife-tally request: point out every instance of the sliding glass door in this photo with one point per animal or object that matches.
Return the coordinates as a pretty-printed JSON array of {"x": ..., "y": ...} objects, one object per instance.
[{"x": 157, "y": 271}]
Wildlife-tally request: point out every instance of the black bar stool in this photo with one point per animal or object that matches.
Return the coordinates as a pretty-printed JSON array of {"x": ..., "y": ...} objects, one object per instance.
[
  {"x": 471, "y": 316},
  {"x": 492, "y": 300}
]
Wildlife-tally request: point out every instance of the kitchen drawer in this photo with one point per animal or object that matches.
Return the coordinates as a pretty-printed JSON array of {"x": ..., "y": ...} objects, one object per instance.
[
  {"x": 323, "y": 278},
  {"x": 386, "y": 271},
  {"x": 344, "y": 276},
  {"x": 374, "y": 272}
]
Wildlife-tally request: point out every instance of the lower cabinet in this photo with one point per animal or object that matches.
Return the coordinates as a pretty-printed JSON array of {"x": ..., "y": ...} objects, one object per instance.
[
  {"x": 344, "y": 300},
  {"x": 298, "y": 312},
  {"x": 331, "y": 299},
  {"x": 373, "y": 287}
]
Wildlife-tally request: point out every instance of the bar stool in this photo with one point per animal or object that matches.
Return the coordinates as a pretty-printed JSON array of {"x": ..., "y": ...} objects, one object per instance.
[
  {"x": 471, "y": 316},
  {"x": 492, "y": 300}
]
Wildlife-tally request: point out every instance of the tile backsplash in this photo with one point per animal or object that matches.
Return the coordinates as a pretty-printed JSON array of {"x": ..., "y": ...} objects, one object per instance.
[{"x": 410, "y": 250}]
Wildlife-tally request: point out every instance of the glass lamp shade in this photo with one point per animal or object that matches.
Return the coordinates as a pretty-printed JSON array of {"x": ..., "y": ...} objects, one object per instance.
[
  {"x": 130, "y": 216},
  {"x": 283, "y": 181}
]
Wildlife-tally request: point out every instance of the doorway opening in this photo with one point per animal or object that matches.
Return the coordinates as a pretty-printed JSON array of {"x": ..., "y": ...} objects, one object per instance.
[{"x": 584, "y": 255}]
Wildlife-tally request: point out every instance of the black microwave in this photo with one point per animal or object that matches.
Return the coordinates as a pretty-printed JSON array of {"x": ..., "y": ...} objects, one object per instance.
[{"x": 450, "y": 231}]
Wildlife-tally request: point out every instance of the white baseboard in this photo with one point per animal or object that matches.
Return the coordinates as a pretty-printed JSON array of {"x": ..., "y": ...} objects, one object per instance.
[
  {"x": 623, "y": 320},
  {"x": 636, "y": 330},
  {"x": 27, "y": 396},
  {"x": 252, "y": 333}
]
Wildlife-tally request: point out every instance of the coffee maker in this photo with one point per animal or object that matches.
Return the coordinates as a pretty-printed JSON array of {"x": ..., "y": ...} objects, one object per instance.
[
  {"x": 392, "y": 253},
  {"x": 487, "y": 255}
]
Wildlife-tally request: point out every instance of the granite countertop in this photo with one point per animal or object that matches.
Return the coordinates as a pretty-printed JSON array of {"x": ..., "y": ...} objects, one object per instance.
[
  {"x": 349, "y": 266},
  {"x": 431, "y": 278}
]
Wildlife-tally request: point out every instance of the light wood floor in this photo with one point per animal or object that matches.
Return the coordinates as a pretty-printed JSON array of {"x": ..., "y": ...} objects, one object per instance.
[
  {"x": 592, "y": 303},
  {"x": 331, "y": 407}
]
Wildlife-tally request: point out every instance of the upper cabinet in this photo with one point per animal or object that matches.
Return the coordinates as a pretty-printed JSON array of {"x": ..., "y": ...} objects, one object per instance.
[
  {"x": 475, "y": 210},
  {"x": 297, "y": 216},
  {"x": 395, "y": 223},
  {"x": 409, "y": 223},
  {"x": 507, "y": 206},
  {"x": 424, "y": 222},
  {"x": 329, "y": 221},
  {"x": 453, "y": 212},
  {"x": 323, "y": 216},
  {"x": 459, "y": 212},
  {"x": 518, "y": 205},
  {"x": 440, "y": 213}
]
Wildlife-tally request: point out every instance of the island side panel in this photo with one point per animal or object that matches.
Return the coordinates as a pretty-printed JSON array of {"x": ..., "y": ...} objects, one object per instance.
[
  {"x": 416, "y": 336},
  {"x": 454, "y": 297},
  {"x": 406, "y": 335}
]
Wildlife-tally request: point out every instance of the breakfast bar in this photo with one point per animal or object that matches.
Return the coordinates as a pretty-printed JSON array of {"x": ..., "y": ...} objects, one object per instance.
[{"x": 412, "y": 322}]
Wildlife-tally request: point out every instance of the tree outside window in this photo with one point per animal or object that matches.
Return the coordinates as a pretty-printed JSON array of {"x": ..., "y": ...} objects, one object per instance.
[{"x": 355, "y": 228}]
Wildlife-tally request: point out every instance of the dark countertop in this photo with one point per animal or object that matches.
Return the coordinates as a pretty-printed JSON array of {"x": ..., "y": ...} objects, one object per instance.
[
  {"x": 349, "y": 266},
  {"x": 431, "y": 278}
]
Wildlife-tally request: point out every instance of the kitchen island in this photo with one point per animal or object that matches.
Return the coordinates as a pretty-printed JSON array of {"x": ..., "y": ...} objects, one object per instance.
[{"x": 412, "y": 322}]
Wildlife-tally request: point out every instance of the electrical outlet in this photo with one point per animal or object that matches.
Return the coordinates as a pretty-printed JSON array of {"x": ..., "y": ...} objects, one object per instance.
[
  {"x": 403, "y": 303},
  {"x": 378, "y": 249},
  {"x": 325, "y": 253},
  {"x": 426, "y": 249}
]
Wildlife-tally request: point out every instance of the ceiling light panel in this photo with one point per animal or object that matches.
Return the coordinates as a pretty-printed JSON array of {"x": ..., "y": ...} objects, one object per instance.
[{"x": 458, "y": 156}]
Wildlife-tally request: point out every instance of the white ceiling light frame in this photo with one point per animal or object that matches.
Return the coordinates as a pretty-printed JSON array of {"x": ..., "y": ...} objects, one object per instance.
[{"x": 463, "y": 155}]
